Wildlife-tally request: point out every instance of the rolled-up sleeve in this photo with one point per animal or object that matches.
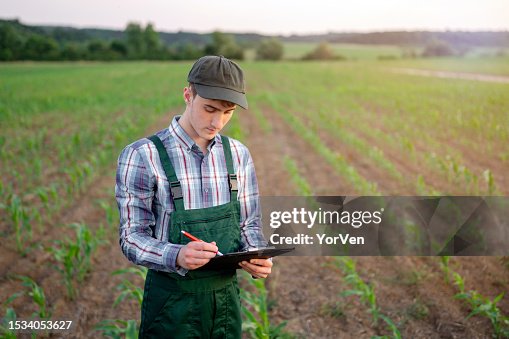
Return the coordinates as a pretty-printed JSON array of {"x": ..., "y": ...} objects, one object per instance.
[
  {"x": 249, "y": 198},
  {"x": 134, "y": 191}
]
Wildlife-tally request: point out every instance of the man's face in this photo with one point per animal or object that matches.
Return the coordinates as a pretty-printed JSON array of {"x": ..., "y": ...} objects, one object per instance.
[{"x": 206, "y": 116}]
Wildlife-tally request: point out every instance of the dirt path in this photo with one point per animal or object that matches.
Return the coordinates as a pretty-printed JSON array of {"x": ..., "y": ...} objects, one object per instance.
[{"x": 452, "y": 75}]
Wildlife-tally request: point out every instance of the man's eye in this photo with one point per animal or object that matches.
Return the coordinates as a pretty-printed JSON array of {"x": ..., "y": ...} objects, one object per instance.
[{"x": 209, "y": 109}]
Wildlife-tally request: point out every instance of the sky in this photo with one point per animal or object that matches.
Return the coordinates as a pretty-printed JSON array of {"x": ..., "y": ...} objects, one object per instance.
[{"x": 283, "y": 17}]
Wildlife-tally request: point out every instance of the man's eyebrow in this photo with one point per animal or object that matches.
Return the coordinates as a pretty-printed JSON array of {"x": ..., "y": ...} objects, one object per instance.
[
  {"x": 230, "y": 108},
  {"x": 214, "y": 107}
]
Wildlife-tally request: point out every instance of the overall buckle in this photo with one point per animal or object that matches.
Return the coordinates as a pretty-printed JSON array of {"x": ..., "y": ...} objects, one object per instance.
[
  {"x": 176, "y": 190},
  {"x": 232, "y": 181}
]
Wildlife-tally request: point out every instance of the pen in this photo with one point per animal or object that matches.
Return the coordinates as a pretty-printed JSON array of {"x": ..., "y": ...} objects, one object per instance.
[{"x": 193, "y": 238}]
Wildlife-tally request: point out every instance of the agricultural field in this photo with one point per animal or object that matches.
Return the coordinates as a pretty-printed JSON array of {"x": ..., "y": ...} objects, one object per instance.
[
  {"x": 313, "y": 128},
  {"x": 296, "y": 50}
]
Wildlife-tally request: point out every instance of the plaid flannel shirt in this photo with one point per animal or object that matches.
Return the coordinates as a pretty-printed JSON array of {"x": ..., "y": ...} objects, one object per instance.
[{"x": 145, "y": 204}]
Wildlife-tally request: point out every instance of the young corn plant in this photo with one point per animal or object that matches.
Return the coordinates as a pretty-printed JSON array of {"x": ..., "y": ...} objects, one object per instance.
[
  {"x": 111, "y": 212},
  {"x": 483, "y": 306},
  {"x": 444, "y": 265},
  {"x": 5, "y": 328},
  {"x": 302, "y": 185},
  {"x": 37, "y": 293},
  {"x": 366, "y": 293},
  {"x": 256, "y": 315},
  {"x": 21, "y": 222},
  {"x": 74, "y": 256},
  {"x": 118, "y": 329},
  {"x": 127, "y": 288}
]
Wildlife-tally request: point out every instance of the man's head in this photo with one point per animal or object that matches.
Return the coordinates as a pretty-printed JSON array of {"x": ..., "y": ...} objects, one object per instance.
[{"x": 216, "y": 87}]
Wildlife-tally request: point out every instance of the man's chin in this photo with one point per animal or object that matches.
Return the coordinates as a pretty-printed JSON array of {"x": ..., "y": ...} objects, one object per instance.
[{"x": 210, "y": 135}]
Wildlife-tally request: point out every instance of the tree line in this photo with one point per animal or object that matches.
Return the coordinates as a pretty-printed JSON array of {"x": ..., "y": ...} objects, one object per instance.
[
  {"x": 135, "y": 42},
  {"x": 19, "y": 42}
]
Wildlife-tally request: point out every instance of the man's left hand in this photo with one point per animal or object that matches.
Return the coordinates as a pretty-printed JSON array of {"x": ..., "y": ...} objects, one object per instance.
[{"x": 259, "y": 268}]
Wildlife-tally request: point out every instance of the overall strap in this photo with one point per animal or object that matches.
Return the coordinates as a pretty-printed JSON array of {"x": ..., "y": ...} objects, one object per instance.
[
  {"x": 232, "y": 177},
  {"x": 175, "y": 187}
]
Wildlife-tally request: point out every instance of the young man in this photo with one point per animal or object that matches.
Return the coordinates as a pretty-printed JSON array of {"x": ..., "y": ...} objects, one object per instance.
[{"x": 189, "y": 178}]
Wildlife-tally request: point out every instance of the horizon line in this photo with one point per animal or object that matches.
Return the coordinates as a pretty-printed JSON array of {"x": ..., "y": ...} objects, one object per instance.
[{"x": 369, "y": 31}]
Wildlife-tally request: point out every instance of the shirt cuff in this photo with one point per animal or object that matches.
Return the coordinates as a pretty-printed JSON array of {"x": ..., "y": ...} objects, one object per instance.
[{"x": 171, "y": 259}]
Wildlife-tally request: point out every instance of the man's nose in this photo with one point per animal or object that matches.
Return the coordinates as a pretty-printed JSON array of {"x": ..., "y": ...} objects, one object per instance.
[{"x": 217, "y": 122}]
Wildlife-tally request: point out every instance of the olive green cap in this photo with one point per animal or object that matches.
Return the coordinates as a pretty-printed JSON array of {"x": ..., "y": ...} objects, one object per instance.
[{"x": 219, "y": 78}]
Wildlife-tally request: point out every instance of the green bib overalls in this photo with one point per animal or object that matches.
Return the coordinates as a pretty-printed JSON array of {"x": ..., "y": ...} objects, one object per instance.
[{"x": 203, "y": 303}]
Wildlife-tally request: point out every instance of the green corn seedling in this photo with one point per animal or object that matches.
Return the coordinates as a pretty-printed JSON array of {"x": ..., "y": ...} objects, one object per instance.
[
  {"x": 74, "y": 256},
  {"x": 483, "y": 306},
  {"x": 490, "y": 181},
  {"x": 256, "y": 322},
  {"x": 444, "y": 265},
  {"x": 37, "y": 293},
  {"x": 365, "y": 291},
  {"x": 127, "y": 288},
  {"x": 5, "y": 331},
  {"x": 303, "y": 186},
  {"x": 21, "y": 221},
  {"x": 118, "y": 329}
]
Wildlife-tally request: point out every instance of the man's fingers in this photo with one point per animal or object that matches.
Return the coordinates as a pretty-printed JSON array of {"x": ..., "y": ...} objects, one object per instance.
[
  {"x": 196, "y": 254},
  {"x": 261, "y": 262},
  {"x": 203, "y": 246},
  {"x": 199, "y": 254},
  {"x": 256, "y": 270}
]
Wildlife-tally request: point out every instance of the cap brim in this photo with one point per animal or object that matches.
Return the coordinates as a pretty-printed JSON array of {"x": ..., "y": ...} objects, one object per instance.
[{"x": 220, "y": 93}]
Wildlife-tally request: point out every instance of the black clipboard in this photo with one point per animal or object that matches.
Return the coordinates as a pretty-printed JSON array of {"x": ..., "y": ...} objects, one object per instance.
[{"x": 231, "y": 260}]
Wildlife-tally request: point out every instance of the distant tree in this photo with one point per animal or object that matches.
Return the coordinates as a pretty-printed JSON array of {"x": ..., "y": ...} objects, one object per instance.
[
  {"x": 322, "y": 52},
  {"x": 224, "y": 44},
  {"x": 135, "y": 40},
  {"x": 120, "y": 48},
  {"x": 98, "y": 50},
  {"x": 269, "y": 49},
  {"x": 152, "y": 42},
  {"x": 39, "y": 47},
  {"x": 187, "y": 51},
  {"x": 437, "y": 48},
  {"x": 72, "y": 51},
  {"x": 11, "y": 43}
]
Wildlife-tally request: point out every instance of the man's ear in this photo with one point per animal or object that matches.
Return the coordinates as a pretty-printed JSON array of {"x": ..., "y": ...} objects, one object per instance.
[{"x": 188, "y": 96}]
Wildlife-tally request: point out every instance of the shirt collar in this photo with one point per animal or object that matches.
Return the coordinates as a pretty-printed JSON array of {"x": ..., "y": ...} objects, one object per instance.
[{"x": 184, "y": 139}]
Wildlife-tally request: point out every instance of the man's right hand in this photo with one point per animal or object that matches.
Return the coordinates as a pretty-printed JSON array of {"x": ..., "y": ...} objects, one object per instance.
[{"x": 196, "y": 254}]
